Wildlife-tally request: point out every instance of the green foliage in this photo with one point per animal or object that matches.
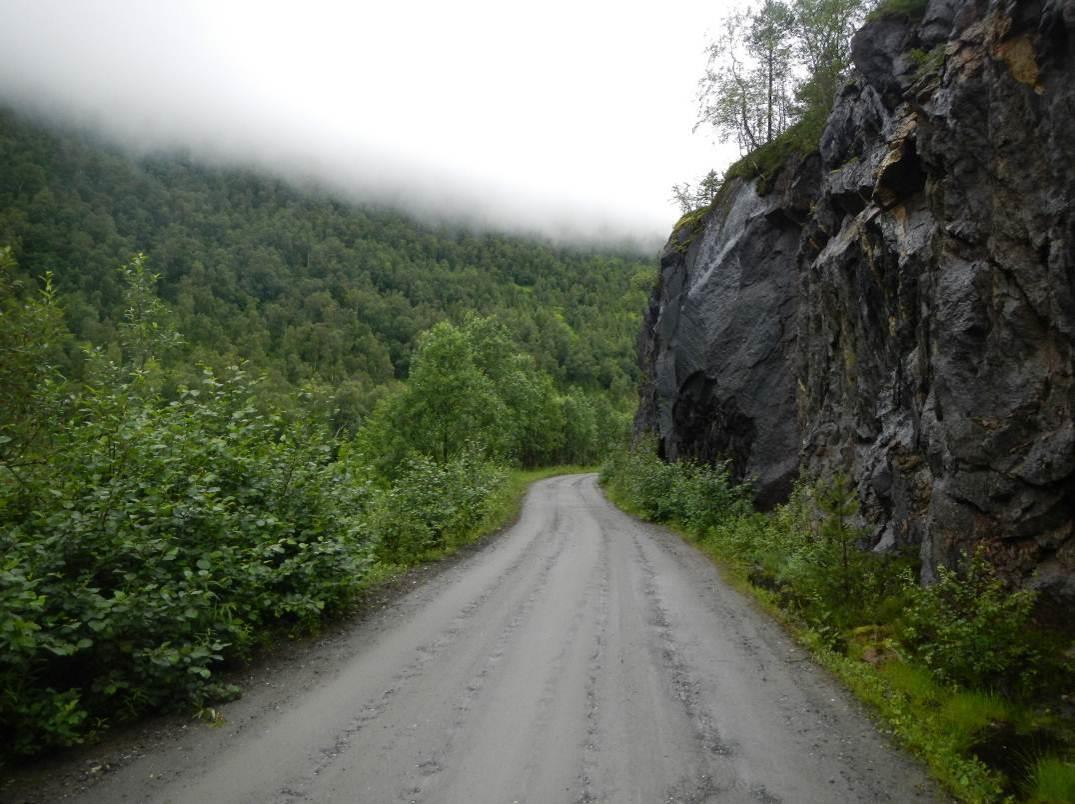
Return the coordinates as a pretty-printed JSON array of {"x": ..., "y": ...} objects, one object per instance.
[
  {"x": 1052, "y": 781},
  {"x": 688, "y": 227},
  {"x": 971, "y": 630},
  {"x": 145, "y": 333},
  {"x": 836, "y": 584},
  {"x": 927, "y": 62},
  {"x": 32, "y": 335},
  {"x": 745, "y": 92},
  {"x": 901, "y": 647},
  {"x": 147, "y": 540},
  {"x": 907, "y": 9},
  {"x": 968, "y": 713},
  {"x": 807, "y": 551},
  {"x": 697, "y": 495},
  {"x": 448, "y": 403},
  {"x": 432, "y": 506},
  {"x": 161, "y": 545},
  {"x": 766, "y": 162},
  {"x": 470, "y": 389},
  {"x": 776, "y": 65},
  {"x": 908, "y": 699},
  {"x": 309, "y": 291},
  {"x": 691, "y": 198},
  {"x": 163, "y": 512}
]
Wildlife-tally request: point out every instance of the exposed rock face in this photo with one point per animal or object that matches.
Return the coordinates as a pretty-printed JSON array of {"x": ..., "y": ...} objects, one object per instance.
[
  {"x": 907, "y": 316},
  {"x": 721, "y": 332}
]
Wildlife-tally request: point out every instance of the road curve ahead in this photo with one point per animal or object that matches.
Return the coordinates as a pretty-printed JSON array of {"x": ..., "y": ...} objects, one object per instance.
[{"x": 581, "y": 657}]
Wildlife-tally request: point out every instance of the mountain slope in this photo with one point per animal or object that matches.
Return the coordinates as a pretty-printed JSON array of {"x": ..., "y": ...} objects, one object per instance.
[{"x": 308, "y": 288}]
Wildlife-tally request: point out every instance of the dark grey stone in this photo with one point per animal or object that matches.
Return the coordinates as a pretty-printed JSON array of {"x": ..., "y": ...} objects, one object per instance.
[{"x": 902, "y": 307}]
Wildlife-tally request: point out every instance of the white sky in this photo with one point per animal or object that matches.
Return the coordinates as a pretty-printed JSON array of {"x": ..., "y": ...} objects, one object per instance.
[{"x": 571, "y": 118}]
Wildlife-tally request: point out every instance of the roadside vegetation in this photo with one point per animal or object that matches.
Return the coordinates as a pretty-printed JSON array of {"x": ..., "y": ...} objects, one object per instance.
[
  {"x": 960, "y": 671},
  {"x": 158, "y": 529},
  {"x": 290, "y": 399}
]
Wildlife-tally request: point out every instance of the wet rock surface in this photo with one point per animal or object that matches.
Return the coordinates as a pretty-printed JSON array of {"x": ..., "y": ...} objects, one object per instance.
[
  {"x": 722, "y": 330},
  {"x": 907, "y": 316}
]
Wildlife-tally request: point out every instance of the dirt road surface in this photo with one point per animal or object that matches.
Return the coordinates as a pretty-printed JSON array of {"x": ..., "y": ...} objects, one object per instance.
[{"x": 582, "y": 656}]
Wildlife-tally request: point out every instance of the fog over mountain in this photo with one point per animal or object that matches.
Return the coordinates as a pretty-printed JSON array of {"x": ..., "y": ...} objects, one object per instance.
[{"x": 569, "y": 120}]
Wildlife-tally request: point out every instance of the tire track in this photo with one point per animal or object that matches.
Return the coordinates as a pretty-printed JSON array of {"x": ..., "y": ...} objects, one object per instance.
[{"x": 583, "y": 657}]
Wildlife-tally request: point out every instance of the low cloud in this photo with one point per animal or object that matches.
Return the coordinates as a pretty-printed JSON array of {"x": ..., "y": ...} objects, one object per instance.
[{"x": 548, "y": 120}]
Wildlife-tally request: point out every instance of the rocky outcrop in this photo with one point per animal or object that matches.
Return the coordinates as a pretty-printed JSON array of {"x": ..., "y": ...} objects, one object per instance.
[
  {"x": 900, "y": 307},
  {"x": 720, "y": 331}
]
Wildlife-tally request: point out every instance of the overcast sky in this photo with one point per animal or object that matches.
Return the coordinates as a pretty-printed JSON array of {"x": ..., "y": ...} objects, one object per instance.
[{"x": 565, "y": 116}]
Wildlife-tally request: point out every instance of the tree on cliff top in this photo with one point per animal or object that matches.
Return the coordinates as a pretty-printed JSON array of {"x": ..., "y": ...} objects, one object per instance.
[
  {"x": 773, "y": 65},
  {"x": 744, "y": 92}
]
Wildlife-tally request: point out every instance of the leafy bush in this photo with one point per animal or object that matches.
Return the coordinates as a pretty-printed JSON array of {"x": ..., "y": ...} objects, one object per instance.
[
  {"x": 698, "y": 496},
  {"x": 941, "y": 663},
  {"x": 971, "y": 630},
  {"x": 148, "y": 539},
  {"x": 432, "y": 505},
  {"x": 157, "y": 547},
  {"x": 827, "y": 575},
  {"x": 807, "y": 551}
]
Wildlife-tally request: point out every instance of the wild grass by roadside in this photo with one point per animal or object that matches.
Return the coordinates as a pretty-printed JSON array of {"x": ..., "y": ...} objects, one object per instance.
[
  {"x": 501, "y": 508},
  {"x": 957, "y": 672}
]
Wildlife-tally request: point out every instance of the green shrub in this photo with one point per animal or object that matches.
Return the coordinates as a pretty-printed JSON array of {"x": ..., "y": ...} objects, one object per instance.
[
  {"x": 972, "y": 631},
  {"x": 808, "y": 551},
  {"x": 149, "y": 539},
  {"x": 939, "y": 662},
  {"x": 698, "y": 496},
  {"x": 908, "y": 9},
  {"x": 1052, "y": 781},
  {"x": 431, "y": 505},
  {"x": 165, "y": 540}
]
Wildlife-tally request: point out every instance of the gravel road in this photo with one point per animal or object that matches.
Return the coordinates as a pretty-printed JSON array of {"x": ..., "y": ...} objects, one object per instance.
[{"x": 582, "y": 656}]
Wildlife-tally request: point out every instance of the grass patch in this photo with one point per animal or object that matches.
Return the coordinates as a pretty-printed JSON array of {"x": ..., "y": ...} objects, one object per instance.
[
  {"x": 765, "y": 163},
  {"x": 966, "y": 715},
  {"x": 689, "y": 226},
  {"x": 505, "y": 504},
  {"x": 912, "y": 718},
  {"x": 1052, "y": 781}
]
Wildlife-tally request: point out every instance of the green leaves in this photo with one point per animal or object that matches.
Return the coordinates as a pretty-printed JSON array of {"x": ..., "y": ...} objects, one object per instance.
[
  {"x": 973, "y": 631},
  {"x": 471, "y": 390},
  {"x": 776, "y": 65},
  {"x": 431, "y": 505},
  {"x": 158, "y": 548},
  {"x": 698, "y": 495}
]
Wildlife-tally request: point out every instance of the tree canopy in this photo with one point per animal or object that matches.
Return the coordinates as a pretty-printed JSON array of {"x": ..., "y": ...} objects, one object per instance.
[
  {"x": 313, "y": 292},
  {"x": 774, "y": 64}
]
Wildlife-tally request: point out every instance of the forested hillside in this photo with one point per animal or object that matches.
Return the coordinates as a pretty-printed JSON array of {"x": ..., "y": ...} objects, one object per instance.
[
  {"x": 227, "y": 407},
  {"x": 313, "y": 291}
]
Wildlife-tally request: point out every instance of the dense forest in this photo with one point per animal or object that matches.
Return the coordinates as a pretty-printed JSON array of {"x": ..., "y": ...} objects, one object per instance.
[
  {"x": 229, "y": 406},
  {"x": 312, "y": 291}
]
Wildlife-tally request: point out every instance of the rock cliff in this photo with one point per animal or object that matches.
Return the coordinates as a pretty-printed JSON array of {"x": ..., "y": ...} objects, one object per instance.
[{"x": 900, "y": 305}]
